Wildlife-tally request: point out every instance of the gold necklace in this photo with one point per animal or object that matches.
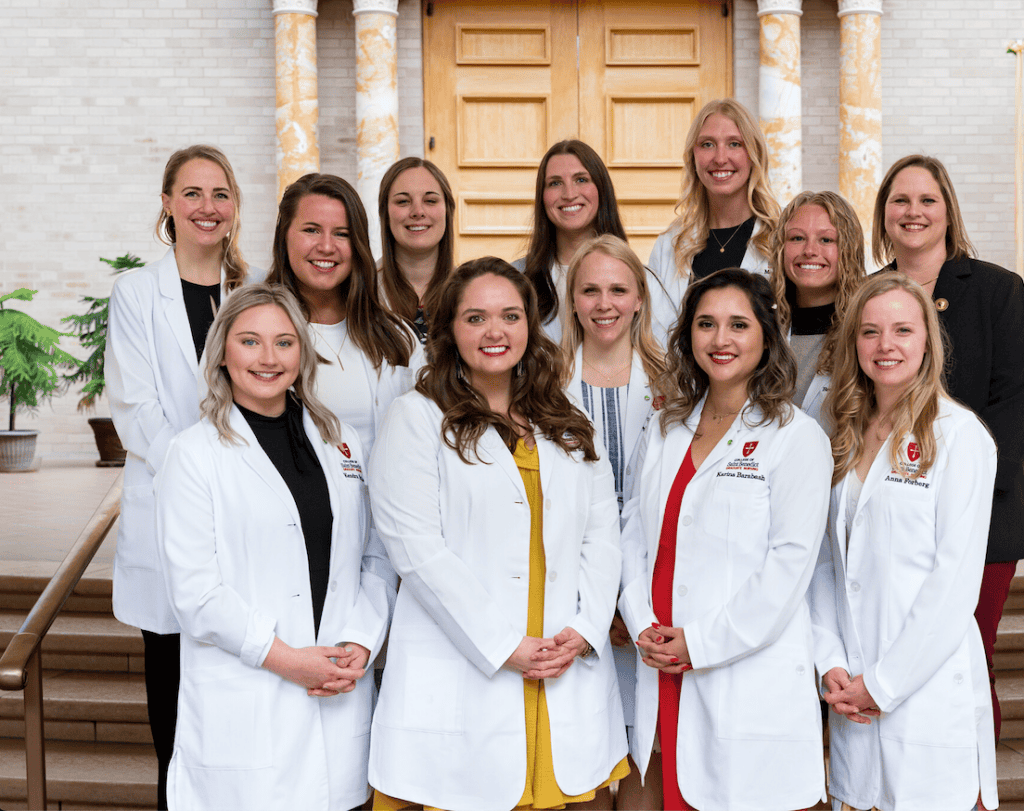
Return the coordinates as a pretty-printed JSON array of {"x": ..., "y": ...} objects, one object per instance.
[
  {"x": 719, "y": 417},
  {"x": 614, "y": 374},
  {"x": 721, "y": 247}
]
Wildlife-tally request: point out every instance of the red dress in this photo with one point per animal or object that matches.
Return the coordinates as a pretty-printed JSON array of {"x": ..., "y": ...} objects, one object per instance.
[{"x": 669, "y": 685}]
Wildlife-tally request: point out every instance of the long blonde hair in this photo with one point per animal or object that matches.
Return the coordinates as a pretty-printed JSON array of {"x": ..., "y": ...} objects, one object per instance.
[
  {"x": 851, "y": 402},
  {"x": 216, "y": 406},
  {"x": 694, "y": 207},
  {"x": 641, "y": 336},
  {"x": 849, "y": 273},
  {"x": 235, "y": 267}
]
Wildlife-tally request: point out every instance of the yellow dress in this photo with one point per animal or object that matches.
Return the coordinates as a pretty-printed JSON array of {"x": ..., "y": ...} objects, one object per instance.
[{"x": 541, "y": 790}]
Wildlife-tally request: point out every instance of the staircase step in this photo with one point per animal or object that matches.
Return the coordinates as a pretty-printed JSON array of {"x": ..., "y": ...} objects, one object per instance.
[
  {"x": 81, "y": 706},
  {"x": 78, "y": 633},
  {"x": 1010, "y": 768},
  {"x": 80, "y": 774},
  {"x": 20, "y": 592}
]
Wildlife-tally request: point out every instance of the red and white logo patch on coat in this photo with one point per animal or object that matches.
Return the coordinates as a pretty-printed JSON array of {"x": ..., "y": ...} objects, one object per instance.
[
  {"x": 913, "y": 452},
  {"x": 343, "y": 447},
  {"x": 749, "y": 448}
]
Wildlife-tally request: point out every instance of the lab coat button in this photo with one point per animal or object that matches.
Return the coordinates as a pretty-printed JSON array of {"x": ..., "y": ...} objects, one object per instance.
[
  {"x": 547, "y": 504},
  {"x": 681, "y": 590},
  {"x": 860, "y": 520},
  {"x": 552, "y": 576},
  {"x": 629, "y": 470},
  {"x": 687, "y": 520},
  {"x": 799, "y": 668},
  {"x": 334, "y": 585},
  {"x": 855, "y": 587},
  {"x": 958, "y": 678}
]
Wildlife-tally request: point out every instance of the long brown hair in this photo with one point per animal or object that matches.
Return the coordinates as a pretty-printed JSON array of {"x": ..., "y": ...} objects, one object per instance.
[
  {"x": 958, "y": 244},
  {"x": 399, "y": 293},
  {"x": 537, "y": 395},
  {"x": 641, "y": 337},
  {"x": 379, "y": 333},
  {"x": 542, "y": 251},
  {"x": 694, "y": 206},
  {"x": 849, "y": 273},
  {"x": 771, "y": 385},
  {"x": 235, "y": 267},
  {"x": 850, "y": 402}
]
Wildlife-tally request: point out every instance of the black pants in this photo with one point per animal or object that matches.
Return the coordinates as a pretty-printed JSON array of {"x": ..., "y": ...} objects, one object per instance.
[{"x": 163, "y": 673}]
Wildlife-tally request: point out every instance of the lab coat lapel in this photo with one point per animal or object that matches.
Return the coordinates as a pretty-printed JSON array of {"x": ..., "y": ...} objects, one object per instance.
[
  {"x": 174, "y": 309},
  {"x": 638, "y": 405},
  {"x": 493, "y": 451},
  {"x": 258, "y": 460}
]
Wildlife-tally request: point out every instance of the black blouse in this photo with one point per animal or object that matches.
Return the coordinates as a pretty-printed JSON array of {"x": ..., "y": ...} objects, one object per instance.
[
  {"x": 713, "y": 258},
  {"x": 201, "y": 304}
]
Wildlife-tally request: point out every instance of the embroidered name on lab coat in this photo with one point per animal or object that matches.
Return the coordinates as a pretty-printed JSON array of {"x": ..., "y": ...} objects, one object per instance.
[
  {"x": 745, "y": 466},
  {"x": 350, "y": 468}
]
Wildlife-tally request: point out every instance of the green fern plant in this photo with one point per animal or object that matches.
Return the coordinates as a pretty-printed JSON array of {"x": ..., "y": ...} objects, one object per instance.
[
  {"x": 29, "y": 356},
  {"x": 91, "y": 329}
]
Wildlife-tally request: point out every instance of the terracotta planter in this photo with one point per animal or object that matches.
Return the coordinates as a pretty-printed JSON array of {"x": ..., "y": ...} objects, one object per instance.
[
  {"x": 112, "y": 453},
  {"x": 17, "y": 450}
]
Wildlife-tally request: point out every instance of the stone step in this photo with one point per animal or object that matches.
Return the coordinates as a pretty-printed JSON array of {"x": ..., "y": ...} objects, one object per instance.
[
  {"x": 121, "y": 775},
  {"x": 78, "y": 706},
  {"x": 82, "y": 641},
  {"x": 20, "y": 592}
]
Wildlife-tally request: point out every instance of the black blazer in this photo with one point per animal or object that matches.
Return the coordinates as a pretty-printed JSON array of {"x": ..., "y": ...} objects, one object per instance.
[{"x": 984, "y": 320}]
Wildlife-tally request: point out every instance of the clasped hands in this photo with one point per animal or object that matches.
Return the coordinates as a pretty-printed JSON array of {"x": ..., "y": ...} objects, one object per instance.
[
  {"x": 323, "y": 670},
  {"x": 849, "y": 697},
  {"x": 537, "y": 658},
  {"x": 664, "y": 648}
]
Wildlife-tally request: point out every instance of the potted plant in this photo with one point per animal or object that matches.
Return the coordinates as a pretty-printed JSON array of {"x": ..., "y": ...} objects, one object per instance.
[
  {"x": 91, "y": 329},
  {"x": 29, "y": 357}
]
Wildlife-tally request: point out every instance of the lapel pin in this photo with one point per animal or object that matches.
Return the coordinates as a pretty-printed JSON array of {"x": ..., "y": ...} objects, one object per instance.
[{"x": 941, "y": 305}]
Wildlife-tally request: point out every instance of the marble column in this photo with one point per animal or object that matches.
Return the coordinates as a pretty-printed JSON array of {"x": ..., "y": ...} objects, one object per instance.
[
  {"x": 860, "y": 108},
  {"x": 779, "y": 96},
  {"x": 298, "y": 108},
  {"x": 376, "y": 101}
]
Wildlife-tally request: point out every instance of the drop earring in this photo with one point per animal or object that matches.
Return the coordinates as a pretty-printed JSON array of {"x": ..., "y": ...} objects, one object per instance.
[{"x": 458, "y": 368}]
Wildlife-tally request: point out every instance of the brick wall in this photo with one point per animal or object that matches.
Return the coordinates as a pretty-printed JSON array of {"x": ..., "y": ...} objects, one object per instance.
[
  {"x": 95, "y": 98},
  {"x": 947, "y": 90}
]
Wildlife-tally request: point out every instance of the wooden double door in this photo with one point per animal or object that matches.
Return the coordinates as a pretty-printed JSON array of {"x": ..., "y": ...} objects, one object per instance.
[{"x": 504, "y": 81}]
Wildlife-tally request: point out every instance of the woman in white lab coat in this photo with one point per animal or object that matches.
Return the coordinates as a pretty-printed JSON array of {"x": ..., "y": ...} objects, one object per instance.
[
  {"x": 613, "y": 364},
  {"x": 574, "y": 200},
  {"x": 500, "y": 517},
  {"x": 159, "y": 316},
  {"x": 817, "y": 264},
  {"x": 896, "y": 644},
  {"x": 727, "y": 211},
  {"x": 718, "y": 548},
  {"x": 322, "y": 254},
  {"x": 263, "y": 529}
]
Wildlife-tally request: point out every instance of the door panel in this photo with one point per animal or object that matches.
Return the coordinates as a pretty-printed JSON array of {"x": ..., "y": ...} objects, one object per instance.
[{"x": 502, "y": 82}]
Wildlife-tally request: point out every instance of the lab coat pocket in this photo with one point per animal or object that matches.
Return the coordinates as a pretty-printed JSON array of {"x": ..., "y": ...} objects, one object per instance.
[
  {"x": 940, "y": 712},
  {"x": 768, "y": 697},
  {"x": 423, "y": 688},
  {"x": 230, "y": 716},
  {"x": 137, "y": 545}
]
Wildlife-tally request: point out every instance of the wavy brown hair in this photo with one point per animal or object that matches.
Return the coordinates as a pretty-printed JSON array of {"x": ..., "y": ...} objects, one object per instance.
[
  {"x": 216, "y": 406},
  {"x": 399, "y": 293},
  {"x": 851, "y": 402},
  {"x": 641, "y": 337},
  {"x": 537, "y": 395},
  {"x": 378, "y": 332},
  {"x": 694, "y": 207},
  {"x": 958, "y": 244},
  {"x": 849, "y": 273},
  {"x": 772, "y": 383},
  {"x": 542, "y": 251},
  {"x": 235, "y": 267}
]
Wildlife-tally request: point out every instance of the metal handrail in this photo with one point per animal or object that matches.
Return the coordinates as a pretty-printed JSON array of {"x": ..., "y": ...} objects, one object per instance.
[{"x": 20, "y": 665}]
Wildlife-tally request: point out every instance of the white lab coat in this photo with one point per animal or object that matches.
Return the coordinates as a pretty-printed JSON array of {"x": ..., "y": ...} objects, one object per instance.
[
  {"x": 751, "y": 522},
  {"x": 639, "y": 408},
  {"x": 893, "y": 598},
  {"x": 235, "y": 561},
  {"x": 449, "y": 729},
  {"x": 153, "y": 385},
  {"x": 671, "y": 282}
]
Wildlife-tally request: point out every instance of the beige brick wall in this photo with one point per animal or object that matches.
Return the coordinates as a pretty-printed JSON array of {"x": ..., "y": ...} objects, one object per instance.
[
  {"x": 947, "y": 90},
  {"x": 95, "y": 96}
]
